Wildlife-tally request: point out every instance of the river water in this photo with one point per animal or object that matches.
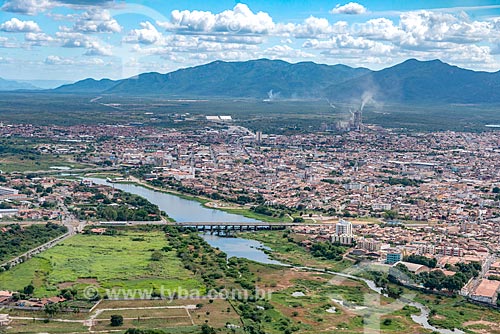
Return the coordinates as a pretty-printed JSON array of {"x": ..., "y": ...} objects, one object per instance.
[{"x": 183, "y": 210}]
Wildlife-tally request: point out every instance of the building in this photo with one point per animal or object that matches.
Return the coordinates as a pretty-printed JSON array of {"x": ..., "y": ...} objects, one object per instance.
[
  {"x": 343, "y": 239},
  {"x": 258, "y": 136},
  {"x": 369, "y": 245},
  {"x": 393, "y": 256},
  {"x": 381, "y": 206},
  {"x": 8, "y": 212},
  {"x": 486, "y": 292},
  {"x": 450, "y": 251},
  {"x": 6, "y": 193},
  {"x": 414, "y": 267},
  {"x": 343, "y": 227}
]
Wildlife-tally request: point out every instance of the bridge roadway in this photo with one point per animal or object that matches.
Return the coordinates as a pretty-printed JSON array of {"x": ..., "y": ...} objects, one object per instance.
[
  {"x": 220, "y": 227},
  {"x": 221, "y": 224}
]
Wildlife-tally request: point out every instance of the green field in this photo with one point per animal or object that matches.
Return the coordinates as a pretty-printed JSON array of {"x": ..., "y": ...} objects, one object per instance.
[
  {"x": 290, "y": 252},
  {"x": 104, "y": 261},
  {"x": 12, "y": 163}
]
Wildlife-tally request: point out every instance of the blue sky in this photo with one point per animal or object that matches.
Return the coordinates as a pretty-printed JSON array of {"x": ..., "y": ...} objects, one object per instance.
[{"x": 75, "y": 39}]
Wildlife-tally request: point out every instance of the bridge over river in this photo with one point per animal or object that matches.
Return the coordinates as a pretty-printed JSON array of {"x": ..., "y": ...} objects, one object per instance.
[{"x": 221, "y": 227}]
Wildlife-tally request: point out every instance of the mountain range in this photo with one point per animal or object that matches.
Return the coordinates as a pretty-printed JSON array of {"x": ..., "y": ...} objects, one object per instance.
[
  {"x": 412, "y": 81},
  {"x": 9, "y": 85}
]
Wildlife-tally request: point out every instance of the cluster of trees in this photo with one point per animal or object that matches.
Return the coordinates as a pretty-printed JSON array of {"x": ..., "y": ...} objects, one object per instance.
[
  {"x": 419, "y": 259},
  {"x": 16, "y": 240},
  {"x": 436, "y": 279},
  {"x": 197, "y": 255},
  {"x": 217, "y": 271},
  {"x": 6, "y": 148},
  {"x": 144, "y": 331},
  {"x": 122, "y": 207},
  {"x": 328, "y": 250},
  {"x": 125, "y": 213},
  {"x": 403, "y": 181}
]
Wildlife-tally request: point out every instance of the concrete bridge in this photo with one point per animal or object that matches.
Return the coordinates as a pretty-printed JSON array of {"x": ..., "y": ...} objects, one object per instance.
[{"x": 221, "y": 227}]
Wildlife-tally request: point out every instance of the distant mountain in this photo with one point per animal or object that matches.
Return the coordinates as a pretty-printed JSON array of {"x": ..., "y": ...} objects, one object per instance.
[
  {"x": 412, "y": 81},
  {"x": 255, "y": 79},
  {"x": 46, "y": 84},
  {"x": 90, "y": 86},
  {"x": 8, "y": 85},
  {"x": 416, "y": 81}
]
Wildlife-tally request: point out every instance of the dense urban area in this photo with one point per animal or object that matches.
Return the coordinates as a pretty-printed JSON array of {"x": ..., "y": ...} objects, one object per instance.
[{"x": 424, "y": 206}]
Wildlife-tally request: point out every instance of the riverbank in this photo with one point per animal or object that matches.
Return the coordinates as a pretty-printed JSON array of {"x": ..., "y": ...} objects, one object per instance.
[{"x": 204, "y": 201}]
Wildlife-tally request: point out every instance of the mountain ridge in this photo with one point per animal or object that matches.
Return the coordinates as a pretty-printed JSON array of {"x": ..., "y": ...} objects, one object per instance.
[
  {"x": 12, "y": 85},
  {"x": 408, "y": 82}
]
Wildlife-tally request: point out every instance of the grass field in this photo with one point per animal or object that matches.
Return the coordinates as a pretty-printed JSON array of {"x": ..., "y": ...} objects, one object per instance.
[
  {"x": 12, "y": 163},
  {"x": 290, "y": 252},
  {"x": 122, "y": 261}
]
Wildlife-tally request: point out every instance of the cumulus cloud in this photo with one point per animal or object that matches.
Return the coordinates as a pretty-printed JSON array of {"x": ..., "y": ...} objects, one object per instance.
[
  {"x": 16, "y": 25},
  {"x": 352, "y": 8},
  {"x": 148, "y": 34},
  {"x": 93, "y": 46},
  {"x": 346, "y": 43},
  {"x": 56, "y": 60},
  {"x": 314, "y": 27},
  {"x": 34, "y": 7},
  {"x": 38, "y": 39},
  {"x": 28, "y": 7},
  {"x": 97, "y": 20},
  {"x": 238, "y": 20}
]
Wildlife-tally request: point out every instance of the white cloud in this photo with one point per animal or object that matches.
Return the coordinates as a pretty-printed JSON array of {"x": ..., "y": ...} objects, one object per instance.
[
  {"x": 96, "y": 49},
  {"x": 352, "y": 8},
  {"x": 56, "y": 60},
  {"x": 38, "y": 39},
  {"x": 147, "y": 35},
  {"x": 34, "y": 7},
  {"x": 238, "y": 20},
  {"x": 346, "y": 43},
  {"x": 314, "y": 27},
  {"x": 97, "y": 20},
  {"x": 7, "y": 43},
  {"x": 78, "y": 40},
  {"x": 28, "y": 7},
  {"x": 16, "y": 25}
]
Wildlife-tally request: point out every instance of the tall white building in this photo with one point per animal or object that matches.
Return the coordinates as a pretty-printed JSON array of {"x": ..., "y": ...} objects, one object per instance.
[{"x": 343, "y": 227}]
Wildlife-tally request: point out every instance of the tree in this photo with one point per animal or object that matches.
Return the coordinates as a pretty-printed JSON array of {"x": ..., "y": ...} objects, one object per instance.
[
  {"x": 206, "y": 329},
  {"x": 156, "y": 256},
  {"x": 116, "y": 320},
  {"x": 452, "y": 283},
  {"x": 390, "y": 214},
  {"x": 29, "y": 289},
  {"x": 52, "y": 309}
]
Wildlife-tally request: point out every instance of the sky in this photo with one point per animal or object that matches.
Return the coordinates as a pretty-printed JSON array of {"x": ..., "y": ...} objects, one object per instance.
[{"x": 76, "y": 39}]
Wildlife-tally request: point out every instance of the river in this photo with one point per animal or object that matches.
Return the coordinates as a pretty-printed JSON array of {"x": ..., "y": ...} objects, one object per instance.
[{"x": 184, "y": 210}]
